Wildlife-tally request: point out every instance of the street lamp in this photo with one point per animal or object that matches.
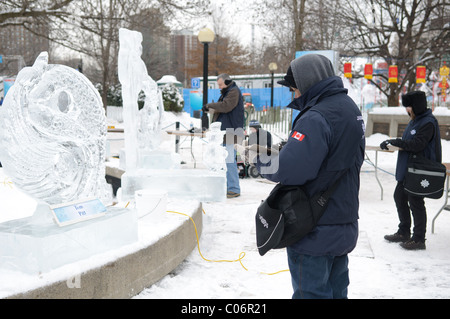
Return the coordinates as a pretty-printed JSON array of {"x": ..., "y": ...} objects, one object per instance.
[
  {"x": 205, "y": 36},
  {"x": 272, "y": 67}
]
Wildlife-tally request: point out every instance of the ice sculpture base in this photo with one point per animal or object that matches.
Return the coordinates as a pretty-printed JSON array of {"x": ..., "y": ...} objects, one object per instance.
[
  {"x": 153, "y": 160},
  {"x": 198, "y": 184},
  {"x": 34, "y": 248}
]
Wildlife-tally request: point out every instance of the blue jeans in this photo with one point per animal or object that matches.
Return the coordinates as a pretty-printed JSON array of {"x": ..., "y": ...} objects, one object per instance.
[
  {"x": 318, "y": 277},
  {"x": 232, "y": 170}
]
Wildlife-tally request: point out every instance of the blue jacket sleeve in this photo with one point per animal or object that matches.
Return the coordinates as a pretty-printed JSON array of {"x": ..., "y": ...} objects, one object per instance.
[{"x": 301, "y": 158}]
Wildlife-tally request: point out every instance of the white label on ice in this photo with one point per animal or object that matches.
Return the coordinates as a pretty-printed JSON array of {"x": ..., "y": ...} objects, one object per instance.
[{"x": 74, "y": 212}]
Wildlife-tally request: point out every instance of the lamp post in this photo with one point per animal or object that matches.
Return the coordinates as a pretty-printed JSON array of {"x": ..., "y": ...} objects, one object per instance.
[
  {"x": 272, "y": 67},
  {"x": 205, "y": 36}
]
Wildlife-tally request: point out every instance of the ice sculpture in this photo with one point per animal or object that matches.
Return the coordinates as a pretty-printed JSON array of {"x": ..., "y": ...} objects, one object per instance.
[
  {"x": 215, "y": 154},
  {"x": 149, "y": 122},
  {"x": 52, "y": 145},
  {"x": 142, "y": 128},
  {"x": 146, "y": 167},
  {"x": 53, "y": 134}
]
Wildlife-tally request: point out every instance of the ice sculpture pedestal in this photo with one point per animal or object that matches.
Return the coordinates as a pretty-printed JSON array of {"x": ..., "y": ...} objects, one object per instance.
[
  {"x": 199, "y": 184},
  {"x": 156, "y": 159},
  {"x": 34, "y": 248}
]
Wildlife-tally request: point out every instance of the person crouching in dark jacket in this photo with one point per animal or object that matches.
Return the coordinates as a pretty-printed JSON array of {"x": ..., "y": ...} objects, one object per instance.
[
  {"x": 327, "y": 139},
  {"x": 420, "y": 136},
  {"x": 258, "y": 135}
]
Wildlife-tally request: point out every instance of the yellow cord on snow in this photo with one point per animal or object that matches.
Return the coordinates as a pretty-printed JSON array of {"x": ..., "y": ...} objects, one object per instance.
[
  {"x": 241, "y": 255},
  {"x": 9, "y": 183}
]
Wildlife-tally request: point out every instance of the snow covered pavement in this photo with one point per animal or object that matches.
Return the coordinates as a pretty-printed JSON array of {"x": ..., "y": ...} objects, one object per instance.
[{"x": 378, "y": 269}]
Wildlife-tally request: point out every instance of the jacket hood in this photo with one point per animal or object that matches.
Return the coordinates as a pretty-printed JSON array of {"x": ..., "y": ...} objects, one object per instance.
[
  {"x": 327, "y": 87},
  {"x": 310, "y": 69},
  {"x": 417, "y": 100}
]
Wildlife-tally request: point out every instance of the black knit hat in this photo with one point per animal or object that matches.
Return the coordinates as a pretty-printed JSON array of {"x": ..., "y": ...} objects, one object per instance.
[
  {"x": 288, "y": 79},
  {"x": 254, "y": 123},
  {"x": 417, "y": 100}
]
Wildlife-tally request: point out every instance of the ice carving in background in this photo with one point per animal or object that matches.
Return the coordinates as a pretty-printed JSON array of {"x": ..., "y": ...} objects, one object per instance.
[
  {"x": 142, "y": 129},
  {"x": 53, "y": 134},
  {"x": 214, "y": 154},
  {"x": 146, "y": 167},
  {"x": 149, "y": 121}
]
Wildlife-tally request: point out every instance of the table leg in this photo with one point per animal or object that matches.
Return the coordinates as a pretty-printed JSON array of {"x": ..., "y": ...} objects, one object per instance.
[
  {"x": 192, "y": 153},
  {"x": 376, "y": 173},
  {"x": 443, "y": 206}
]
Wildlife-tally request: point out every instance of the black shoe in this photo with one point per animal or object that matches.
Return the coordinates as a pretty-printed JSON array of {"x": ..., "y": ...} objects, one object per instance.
[
  {"x": 413, "y": 245},
  {"x": 397, "y": 238}
]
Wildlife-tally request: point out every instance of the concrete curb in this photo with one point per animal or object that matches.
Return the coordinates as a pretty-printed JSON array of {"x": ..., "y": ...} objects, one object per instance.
[{"x": 128, "y": 275}]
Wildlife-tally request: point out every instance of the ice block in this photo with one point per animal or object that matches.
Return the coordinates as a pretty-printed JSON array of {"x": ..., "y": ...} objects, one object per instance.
[
  {"x": 157, "y": 159},
  {"x": 35, "y": 245},
  {"x": 199, "y": 184}
]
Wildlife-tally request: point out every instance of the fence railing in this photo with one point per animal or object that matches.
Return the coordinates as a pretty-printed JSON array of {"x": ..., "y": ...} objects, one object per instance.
[{"x": 273, "y": 119}]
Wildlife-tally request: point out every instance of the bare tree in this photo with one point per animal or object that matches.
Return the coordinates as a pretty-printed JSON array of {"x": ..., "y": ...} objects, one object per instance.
[
  {"x": 404, "y": 33},
  {"x": 11, "y": 10},
  {"x": 155, "y": 44},
  {"x": 24, "y": 29},
  {"x": 298, "y": 25},
  {"x": 226, "y": 55},
  {"x": 93, "y": 27},
  {"x": 286, "y": 26},
  {"x": 90, "y": 27}
]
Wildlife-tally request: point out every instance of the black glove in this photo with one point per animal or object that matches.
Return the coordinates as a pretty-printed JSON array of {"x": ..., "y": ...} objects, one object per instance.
[
  {"x": 384, "y": 144},
  {"x": 394, "y": 142},
  {"x": 205, "y": 108}
]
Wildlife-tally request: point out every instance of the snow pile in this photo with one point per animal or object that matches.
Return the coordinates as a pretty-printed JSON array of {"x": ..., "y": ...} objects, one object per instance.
[{"x": 442, "y": 111}]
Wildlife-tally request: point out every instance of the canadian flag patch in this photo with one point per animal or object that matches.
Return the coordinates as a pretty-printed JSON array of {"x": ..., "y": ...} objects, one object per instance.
[{"x": 298, "y": 136}]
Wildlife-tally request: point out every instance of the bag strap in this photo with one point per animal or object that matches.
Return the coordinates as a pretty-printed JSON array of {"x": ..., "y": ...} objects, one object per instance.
[{"x": 323, "y": 198}]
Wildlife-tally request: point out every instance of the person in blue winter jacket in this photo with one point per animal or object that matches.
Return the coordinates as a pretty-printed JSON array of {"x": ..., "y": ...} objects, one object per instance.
[
  {"x": 327, "y": 138},
  {"x": 420, "y": 136}
]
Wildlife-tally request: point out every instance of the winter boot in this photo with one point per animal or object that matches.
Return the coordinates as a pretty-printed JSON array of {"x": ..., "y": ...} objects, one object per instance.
[
  {"x": 412, "y": 244},
  {"x": 397, "y": 238},
  {"x": 231, "y": 194}
]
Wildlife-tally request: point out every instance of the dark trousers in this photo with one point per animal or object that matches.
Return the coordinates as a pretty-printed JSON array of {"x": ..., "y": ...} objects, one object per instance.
[{"x": 407, "y": 204}]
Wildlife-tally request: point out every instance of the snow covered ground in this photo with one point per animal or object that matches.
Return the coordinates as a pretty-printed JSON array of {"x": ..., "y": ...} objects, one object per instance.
[{"x": 378, "y": 269}]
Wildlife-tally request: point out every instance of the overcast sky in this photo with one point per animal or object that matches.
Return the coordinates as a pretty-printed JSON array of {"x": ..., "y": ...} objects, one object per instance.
[{"x": 238, "y": 17}]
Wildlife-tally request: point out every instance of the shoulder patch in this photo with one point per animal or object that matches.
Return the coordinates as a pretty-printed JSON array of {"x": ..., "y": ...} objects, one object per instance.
[{"x": 298, "y": 136}]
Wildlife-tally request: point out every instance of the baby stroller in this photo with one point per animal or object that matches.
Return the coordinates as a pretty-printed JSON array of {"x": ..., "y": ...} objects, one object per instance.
[
  {"x": 260, "y": 137},
  {"x": 246, "y": 169}
]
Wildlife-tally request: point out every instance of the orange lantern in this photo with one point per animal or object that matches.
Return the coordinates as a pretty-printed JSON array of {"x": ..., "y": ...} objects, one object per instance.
[
  {"x": 368, "y": 71},
  {"x": 393, "y": 74},
  {"x": 444, "y": 71},
  {"x": 444, "y": 86},
  {"x": 348, "y": 70},
  {"x": 421, "y": 73}
]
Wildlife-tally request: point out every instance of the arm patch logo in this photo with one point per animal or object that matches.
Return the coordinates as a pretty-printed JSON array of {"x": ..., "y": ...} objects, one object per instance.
[{"x": 298, "y": 136}]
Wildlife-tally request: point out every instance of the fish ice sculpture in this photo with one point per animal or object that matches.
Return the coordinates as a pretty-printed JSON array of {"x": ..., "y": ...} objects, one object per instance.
[{"x": 53, "y": 134}]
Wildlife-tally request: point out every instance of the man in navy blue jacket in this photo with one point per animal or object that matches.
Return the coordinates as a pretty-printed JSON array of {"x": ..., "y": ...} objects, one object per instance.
[
  {"x": 327, "y": 138},
  {"x": 420, "y": 136}
]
